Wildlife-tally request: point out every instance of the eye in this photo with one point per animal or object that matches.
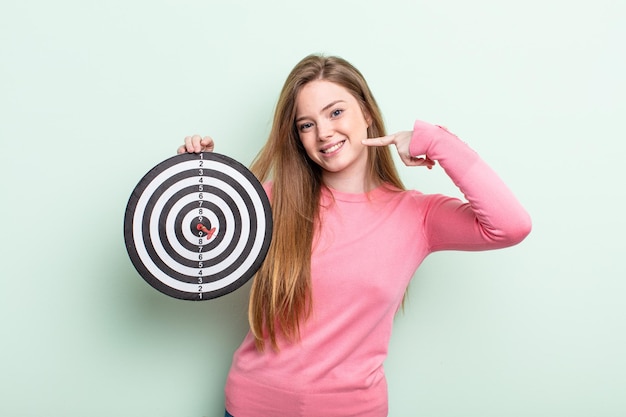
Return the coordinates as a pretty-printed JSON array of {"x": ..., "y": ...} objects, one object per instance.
[
  {"x": 336, "y": 112},
  {"x": 305, "y": 126}
]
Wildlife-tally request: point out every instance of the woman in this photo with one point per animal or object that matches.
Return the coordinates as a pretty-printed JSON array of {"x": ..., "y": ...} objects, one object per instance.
[{"x": 347, "y": 240}]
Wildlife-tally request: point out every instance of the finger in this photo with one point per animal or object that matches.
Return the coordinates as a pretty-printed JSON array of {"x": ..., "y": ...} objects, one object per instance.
[
  {"x": 188, "y": 144},
  {"x": 380, "y": 141},
  {"x": 207, "y": 144},
  {"x": 196, "y": 141},
  {"x": 418, "y": 161},
  {"x": 192, "y": 144},
  {"x": 427, "y": 162}
]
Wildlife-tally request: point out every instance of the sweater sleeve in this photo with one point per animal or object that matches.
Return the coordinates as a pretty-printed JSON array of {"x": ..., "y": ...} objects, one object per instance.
[{"x": 491, "y": 218}]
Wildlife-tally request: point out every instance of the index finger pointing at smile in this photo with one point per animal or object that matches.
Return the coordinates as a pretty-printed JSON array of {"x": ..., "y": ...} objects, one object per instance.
[{"x": 381, "y": 141}]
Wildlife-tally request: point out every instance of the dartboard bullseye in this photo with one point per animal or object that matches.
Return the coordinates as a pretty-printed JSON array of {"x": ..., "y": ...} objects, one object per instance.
[{"x": 198, "y": 226}]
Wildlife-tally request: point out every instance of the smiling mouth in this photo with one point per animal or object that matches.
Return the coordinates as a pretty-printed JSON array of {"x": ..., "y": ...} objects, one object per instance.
[{"x": 333, "y": 148}]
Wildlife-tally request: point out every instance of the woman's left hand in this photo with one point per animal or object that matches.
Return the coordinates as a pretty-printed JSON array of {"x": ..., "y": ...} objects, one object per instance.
[{"x": 401, "y": 140}]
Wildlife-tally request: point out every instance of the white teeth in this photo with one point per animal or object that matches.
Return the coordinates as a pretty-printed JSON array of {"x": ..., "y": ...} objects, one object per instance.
[{"x": 333, "y": 148}]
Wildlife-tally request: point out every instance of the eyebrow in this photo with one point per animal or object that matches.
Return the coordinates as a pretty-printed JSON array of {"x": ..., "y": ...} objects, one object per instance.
[{"x": 326, "y": 107}]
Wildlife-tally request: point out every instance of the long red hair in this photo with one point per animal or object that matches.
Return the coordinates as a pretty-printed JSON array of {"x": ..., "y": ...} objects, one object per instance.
[{"x": 280, "y": 297}]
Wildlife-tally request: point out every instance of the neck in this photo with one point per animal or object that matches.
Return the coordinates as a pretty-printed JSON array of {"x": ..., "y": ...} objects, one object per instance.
[{"x": 349, "y": 184}]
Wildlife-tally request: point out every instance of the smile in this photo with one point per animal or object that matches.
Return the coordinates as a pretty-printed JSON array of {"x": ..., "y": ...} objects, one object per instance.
[{"x": 333, "y": 148}]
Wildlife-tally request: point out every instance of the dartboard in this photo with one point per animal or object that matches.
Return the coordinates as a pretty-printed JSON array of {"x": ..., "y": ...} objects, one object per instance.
[{"x": 198, "y": 226}]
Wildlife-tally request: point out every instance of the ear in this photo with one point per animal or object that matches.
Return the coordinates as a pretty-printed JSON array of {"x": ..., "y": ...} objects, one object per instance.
[{"x": 368, "y": 118}]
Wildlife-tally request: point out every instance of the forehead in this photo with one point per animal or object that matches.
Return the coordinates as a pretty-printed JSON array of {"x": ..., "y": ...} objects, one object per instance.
[{"x": 317, "y": 94}]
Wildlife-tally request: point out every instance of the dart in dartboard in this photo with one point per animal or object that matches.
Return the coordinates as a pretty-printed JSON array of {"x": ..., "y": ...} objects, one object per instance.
[{"x": 198, "y": 226}]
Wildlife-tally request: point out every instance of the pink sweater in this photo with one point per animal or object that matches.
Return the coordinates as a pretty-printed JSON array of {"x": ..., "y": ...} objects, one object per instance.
[{"x": 362, "y": 261}]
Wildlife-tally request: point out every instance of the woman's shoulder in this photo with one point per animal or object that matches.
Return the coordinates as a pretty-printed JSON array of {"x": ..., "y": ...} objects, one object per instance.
[{"x": 413, "y": 197}]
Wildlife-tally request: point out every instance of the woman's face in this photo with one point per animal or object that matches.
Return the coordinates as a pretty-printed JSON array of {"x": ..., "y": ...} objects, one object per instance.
[{"x": 331, "y": 126}]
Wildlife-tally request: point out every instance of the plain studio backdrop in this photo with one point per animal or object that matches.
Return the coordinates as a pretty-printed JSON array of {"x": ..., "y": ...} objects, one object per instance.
[{"x": 94, "y": 94}]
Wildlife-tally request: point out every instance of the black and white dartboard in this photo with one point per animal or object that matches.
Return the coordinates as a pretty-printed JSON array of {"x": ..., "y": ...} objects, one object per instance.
[{"x": 198, "y": 226}]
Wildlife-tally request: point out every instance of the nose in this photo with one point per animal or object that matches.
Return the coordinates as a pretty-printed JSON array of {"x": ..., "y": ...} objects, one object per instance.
[{"x": 324, "y": 130}]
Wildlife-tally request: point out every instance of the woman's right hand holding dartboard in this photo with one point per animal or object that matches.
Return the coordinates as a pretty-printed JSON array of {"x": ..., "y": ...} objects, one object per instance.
[{"x": 197, "y": 144}]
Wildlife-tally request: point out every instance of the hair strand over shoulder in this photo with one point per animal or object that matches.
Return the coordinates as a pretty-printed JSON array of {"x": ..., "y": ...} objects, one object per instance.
[{"x": 280, "y": 297}]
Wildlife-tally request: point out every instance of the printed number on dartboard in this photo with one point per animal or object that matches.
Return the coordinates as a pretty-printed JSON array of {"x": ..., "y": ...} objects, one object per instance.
[{"x": 200, "y": 219}]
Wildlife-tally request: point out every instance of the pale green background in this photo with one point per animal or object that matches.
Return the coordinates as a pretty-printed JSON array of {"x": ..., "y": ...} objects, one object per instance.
[{"x": 95, "y": 93}]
